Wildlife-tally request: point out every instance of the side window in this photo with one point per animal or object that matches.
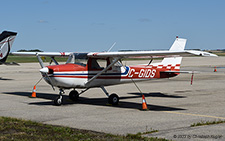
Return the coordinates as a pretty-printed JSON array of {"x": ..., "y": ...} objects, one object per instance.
[
  {"x": 98, "y": 64},
  {"x": 118, "y": 64}
]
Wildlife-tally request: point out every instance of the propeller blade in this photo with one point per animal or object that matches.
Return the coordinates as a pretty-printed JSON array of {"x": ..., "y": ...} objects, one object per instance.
[{"x": 44, "y": 71}]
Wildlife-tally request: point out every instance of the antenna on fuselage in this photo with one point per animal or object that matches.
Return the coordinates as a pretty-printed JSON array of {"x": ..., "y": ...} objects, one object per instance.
[{"x": 111, "y": 47}]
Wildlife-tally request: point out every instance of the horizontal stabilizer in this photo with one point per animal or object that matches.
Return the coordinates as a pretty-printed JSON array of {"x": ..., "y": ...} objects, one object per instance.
[{"x": 201, "y": 53}]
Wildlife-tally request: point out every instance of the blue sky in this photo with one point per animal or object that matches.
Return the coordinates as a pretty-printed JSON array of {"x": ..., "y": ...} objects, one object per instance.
[{"x": 94, "y": 25}]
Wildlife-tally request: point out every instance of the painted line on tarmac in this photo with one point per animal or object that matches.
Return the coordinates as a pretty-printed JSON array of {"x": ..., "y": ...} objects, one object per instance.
[{"x": 198, "y": 115}]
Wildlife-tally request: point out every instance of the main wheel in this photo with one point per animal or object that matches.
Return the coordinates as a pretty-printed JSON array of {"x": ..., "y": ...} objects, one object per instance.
[
  {"x": 113, "y": 99},
  {"x": 74, "y": 95},
  {"x": 58, "y": 101}
]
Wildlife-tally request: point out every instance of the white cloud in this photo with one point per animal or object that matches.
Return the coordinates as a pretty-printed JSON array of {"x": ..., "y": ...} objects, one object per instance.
[{"x": 42, "y": 21}]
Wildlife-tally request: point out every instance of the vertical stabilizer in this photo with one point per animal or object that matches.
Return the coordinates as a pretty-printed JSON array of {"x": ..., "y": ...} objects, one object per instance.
[
  {"x": 178, "y": 45},
  {"x": 6, "y": 40}
]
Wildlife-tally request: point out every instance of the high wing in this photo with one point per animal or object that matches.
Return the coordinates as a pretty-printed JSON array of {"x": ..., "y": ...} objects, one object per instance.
[
  {"x": 153, "y": 54},
  {"x": 177, "y": 49},
  {"x": 126, "y": 54}
]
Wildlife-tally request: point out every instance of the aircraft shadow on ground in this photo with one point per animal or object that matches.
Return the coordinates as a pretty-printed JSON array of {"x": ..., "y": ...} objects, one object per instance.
[
  {"x": 158, "y": 94},
  {"x": 100, "y": 101},
  {"x": 5, "y": 78}
]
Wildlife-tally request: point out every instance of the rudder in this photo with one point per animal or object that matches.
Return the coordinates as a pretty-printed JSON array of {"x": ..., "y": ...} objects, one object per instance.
[
  {"x": 6, "y": 41},
  {"x": 178, "y": 45}
]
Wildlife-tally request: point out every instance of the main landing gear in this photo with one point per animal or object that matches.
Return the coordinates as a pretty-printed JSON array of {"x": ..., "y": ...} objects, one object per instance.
[
  {"x": 113, "y": 98},
  {"x": 74, "y": 96}
]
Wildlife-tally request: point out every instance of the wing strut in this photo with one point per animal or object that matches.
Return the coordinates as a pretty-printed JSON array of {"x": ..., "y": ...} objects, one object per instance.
[
  {"x": 53, "y": 59},
  {"x": 40, "y": 61},
  {"x": 133, "y": 80},
  {"x": 101, "y": 72}
]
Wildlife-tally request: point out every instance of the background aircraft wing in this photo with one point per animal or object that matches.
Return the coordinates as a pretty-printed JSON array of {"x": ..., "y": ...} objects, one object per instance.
[{"x": 50, "y": 54}]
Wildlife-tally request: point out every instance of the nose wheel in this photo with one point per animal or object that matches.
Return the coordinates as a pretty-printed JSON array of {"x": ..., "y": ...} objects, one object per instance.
[{"x": 58, "y": 100}]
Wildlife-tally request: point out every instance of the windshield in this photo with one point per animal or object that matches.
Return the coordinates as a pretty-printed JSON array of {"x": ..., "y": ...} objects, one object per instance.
[{"x": 78, "y": 58}]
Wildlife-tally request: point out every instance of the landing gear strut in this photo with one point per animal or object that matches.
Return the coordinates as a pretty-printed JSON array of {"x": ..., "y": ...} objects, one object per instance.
[
  {"x": 113, "y": 98},
  {"x": 58, "y": 100}
]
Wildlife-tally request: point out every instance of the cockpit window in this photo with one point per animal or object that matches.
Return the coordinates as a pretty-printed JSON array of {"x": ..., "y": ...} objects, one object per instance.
[
  {"x": 70, "y": 59},
  {"x": 78, "y": 58}
]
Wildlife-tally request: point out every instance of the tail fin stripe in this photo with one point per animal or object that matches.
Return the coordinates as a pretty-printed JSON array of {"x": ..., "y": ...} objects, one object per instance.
[{"x": 7, "y": 40}]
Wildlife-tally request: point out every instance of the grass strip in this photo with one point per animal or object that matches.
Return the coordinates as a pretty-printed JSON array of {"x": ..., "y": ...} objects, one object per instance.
[
  {"x": 202, "y": 123},
  {"x": 18, "y": 129}
]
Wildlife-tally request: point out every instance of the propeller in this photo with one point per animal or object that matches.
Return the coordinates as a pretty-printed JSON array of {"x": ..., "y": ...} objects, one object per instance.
[
  {"x": 45, "y": 74},
  {"x": 45, "y": 71}
]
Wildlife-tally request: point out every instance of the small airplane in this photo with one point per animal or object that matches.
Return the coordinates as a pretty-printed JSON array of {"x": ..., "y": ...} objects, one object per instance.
[
  {"x": 6, "y": 40},
  {"x": 100, "y": 69}
]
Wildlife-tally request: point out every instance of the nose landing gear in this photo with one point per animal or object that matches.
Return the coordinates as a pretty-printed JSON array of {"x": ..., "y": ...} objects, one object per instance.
[{"x": 58, "y": 100}]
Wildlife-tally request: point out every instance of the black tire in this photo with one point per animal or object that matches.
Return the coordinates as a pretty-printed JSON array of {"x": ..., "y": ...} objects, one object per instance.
[
  {"x": 74, "y": 95},
  {"x": 58, "y": 101},
  {"x": 113, "y": 99}
]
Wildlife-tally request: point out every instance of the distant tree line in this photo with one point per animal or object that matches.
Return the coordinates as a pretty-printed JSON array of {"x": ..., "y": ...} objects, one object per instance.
[{"x": 32, "y": 50}]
